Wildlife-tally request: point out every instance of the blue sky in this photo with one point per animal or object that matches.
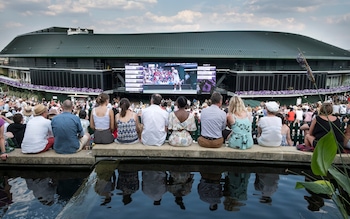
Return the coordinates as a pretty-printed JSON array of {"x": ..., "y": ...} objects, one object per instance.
[{"x": 328, "y": 21}]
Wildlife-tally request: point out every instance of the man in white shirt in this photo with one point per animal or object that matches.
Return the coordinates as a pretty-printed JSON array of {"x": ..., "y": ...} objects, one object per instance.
[
  {"x": 38, "y": 136},
  {"x": 155, "y": 123}
]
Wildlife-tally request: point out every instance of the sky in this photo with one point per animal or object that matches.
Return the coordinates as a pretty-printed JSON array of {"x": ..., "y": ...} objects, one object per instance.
[{"x": 324, "y": 20}]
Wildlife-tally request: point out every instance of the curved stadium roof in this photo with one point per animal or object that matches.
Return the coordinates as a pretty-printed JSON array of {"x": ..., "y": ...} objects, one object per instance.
[{"x": 55, "y": 42}]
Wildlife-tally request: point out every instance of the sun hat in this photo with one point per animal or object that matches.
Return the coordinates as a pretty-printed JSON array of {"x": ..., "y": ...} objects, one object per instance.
[
  {"x": 28, "y": 111},
  {"x": 53, "y": 111},
  {"x": 272, "y": 106},
  {"x": 39, "y": 109}
]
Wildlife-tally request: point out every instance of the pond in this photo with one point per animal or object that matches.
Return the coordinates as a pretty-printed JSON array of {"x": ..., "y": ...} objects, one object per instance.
[{"x": 159, "y": 189}]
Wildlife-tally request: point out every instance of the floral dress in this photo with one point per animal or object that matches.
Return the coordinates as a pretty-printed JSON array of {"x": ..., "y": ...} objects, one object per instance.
[
  {"x": 180, "y": 135},
  {"x": 241, "y": 136}
]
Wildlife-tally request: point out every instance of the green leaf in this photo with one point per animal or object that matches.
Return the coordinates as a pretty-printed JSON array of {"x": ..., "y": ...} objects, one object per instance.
[
  {"x": 324, "y": 154},
  {"x": 342, "y": 180},
  {"x": 340, "y": 206},
  {"x": 318, "y": 187}
]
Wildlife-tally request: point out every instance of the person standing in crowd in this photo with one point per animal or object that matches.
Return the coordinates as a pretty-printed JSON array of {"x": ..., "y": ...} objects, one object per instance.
[
  {"x": 299, "y": 115},
  {"x": 270, "y": 127},
  {"x": 127, "y": 124},
  {"x": 38, "y": 135},
  {"x": 291, "y": 115},
  {"x": 307, "y": 121},
  {"x": 155, "y": 123},
  {"x": 17, "y": 128},
  {"x": 102, "y": 121},
  {"x": 241, "y": 126},
  {"x": 68, "y": 132},
  {"x": 213, "y": 122},
  {"x": 320, "y": 126},
  {"x": 181, "y": 124}
]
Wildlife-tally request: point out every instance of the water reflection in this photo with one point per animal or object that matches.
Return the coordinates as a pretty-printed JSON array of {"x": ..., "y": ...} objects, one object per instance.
[
  {"x": 162, "y": 190},
  {"x": 180, "y": 185},
  {"x": 128, "y": 182},
  {"x": 236, "y": 186},
  {"x": 43, "y": 189},
  {"x": 210, "y": 189},
  {"x": 5, "y": 195},
  {"x": 29, "y": 196},
  {"x": 105, "y": 182},
  {"x": 267, "y": 184},
  {"x": 154, "y": 185}
]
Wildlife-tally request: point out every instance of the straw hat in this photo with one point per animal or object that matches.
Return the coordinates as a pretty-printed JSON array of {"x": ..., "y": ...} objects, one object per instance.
[
  {"x": 28, "y": 111},
  {"x": 39, "y": 109}
]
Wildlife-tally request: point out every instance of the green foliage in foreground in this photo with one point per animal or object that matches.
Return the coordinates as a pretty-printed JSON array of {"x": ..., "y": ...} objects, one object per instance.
[{"x": 322, "y": 166}]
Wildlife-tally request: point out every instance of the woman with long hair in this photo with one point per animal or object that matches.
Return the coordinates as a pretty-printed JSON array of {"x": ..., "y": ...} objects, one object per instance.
[
  {"x": 127, "y": 124},
  {"x": 238, "y": 119},
  {"x": 102, "y": 120}
]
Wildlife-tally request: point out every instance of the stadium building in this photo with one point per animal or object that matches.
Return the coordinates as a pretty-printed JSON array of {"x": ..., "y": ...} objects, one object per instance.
[{"x": 252, "y": 64}]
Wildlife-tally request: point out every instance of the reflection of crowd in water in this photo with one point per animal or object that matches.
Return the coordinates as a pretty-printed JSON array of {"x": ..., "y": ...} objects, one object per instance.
[
  {"x": 212, "y": 187},
  {"x": 47, "y": 191}
]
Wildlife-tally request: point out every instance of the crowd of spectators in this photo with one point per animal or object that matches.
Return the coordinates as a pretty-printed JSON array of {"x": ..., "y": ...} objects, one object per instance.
[{"x": 103, "y": 120}]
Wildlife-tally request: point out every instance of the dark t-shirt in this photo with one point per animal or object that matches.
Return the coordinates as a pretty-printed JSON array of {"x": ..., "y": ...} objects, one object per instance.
[
  {"x": 18, "y": 131},
  {"x": 322, "y": 128}
]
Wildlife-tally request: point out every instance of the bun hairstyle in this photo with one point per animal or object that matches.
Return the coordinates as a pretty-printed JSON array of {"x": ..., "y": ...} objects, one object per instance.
[
  {"x": 102, "y": 98},
  {"x": 181, "y": 102},
  {"x": 124, "y": 105},
  {"x": 326, "y": 109}
]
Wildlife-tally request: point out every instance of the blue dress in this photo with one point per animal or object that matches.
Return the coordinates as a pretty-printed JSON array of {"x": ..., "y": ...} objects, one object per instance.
[{"x": 241, "y": 136}]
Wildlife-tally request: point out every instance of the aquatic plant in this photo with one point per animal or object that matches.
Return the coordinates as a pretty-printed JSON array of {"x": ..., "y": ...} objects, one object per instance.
[{"x": 334, "y": 180}]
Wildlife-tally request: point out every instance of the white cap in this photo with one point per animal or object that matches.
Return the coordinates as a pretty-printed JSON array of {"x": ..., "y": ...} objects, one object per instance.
[{"x": 272, "y": 106}]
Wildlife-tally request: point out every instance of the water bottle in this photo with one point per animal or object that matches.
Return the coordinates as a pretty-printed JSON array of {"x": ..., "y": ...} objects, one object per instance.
[{"x": 92, "y": 140}]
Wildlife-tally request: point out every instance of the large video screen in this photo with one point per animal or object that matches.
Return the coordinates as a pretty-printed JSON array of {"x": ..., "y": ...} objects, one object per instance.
[
  {"x": 169, "y": 78},
  {"x": 206, "y": 79}
]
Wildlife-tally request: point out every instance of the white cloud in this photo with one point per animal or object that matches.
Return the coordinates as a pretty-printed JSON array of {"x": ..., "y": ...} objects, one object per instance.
[
  {"x": 186, "y": 16},
  {"x": 115, "y": 4},
  {"x": 27, "y": 13},
  {"x": 85, "y": 6},
  {"x": 13, "y": 24},
  {"x": 345, "y": 18}
]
